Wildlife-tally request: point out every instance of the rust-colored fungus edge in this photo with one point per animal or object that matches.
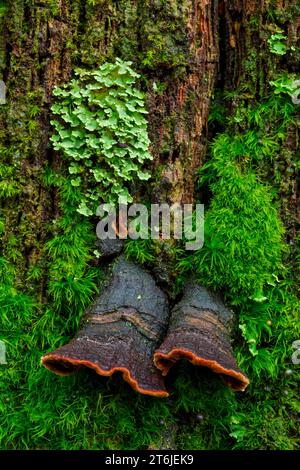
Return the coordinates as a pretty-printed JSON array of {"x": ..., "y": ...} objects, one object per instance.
[
  {"x": 164, "y": 361},
  {"x": 54, "y": 361},
  {"x": 119, "y": 332}
]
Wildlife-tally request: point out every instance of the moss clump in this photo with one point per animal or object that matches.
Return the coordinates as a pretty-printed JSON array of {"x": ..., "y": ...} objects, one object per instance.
[
  {"x": 41, "y": 411},
  {"x": 243, "y": 234}
]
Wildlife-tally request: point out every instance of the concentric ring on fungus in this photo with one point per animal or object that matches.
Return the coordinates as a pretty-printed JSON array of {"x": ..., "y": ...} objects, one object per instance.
[
  {"x": 120, "y": 332},
  {"x": 198, "y": 331}
]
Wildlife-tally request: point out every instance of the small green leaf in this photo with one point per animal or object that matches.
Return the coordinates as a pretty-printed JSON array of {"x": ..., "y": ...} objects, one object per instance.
[
  {"x": 76, "y": 182},
  {"x": 84, "y": 210},
  {"x": 259, "y": 297},
  {"x": 101, "y": 124},
  {"x": 74, "y": 168}
]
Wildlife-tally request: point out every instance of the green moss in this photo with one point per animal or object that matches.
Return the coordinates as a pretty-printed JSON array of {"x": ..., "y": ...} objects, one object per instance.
[
  {"x": 47, "y": 281},
  {"x": 243, "y": 233}
]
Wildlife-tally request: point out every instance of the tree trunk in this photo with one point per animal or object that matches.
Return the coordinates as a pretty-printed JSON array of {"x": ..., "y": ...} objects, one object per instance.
[
  {"x": 184, "y": 50},
  {"x": 174, "y": 45},
  {"x": 246, "y": 60}
]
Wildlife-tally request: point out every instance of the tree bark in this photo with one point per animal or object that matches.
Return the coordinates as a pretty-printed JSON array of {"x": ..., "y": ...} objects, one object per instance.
[
  {"x": 246, "y": 60},
  {"x": 183, "y": 49},
  {"x": 174, "y": 45}
]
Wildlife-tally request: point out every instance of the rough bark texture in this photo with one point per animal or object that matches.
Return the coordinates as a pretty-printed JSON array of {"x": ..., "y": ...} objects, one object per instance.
[
  {"x": 178, "y": 124},
  {"x": 245, "y": 60},
  {"x": 177, "y": 46},
  {"x": 36, "y": 59},
  {"x": 174, "y": 44},
  {"x": 120, "y": 332},
  {"x": 177, "y": 55}
]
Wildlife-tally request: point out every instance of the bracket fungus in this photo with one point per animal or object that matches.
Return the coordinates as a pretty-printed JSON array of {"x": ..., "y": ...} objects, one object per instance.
[
  {"x": 123, "y": 329},
  {"x": 199, "y": 331},
  {"x": 120, "y": 332}
]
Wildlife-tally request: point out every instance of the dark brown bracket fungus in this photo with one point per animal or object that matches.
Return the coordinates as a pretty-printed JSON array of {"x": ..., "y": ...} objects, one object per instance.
[
  {"x": 120, "y": 333},
  {"x": 198, "y": 331}
]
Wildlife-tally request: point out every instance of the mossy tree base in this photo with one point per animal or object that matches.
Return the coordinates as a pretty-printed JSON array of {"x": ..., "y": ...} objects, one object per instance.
[{"x": 187, "y": 52}]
